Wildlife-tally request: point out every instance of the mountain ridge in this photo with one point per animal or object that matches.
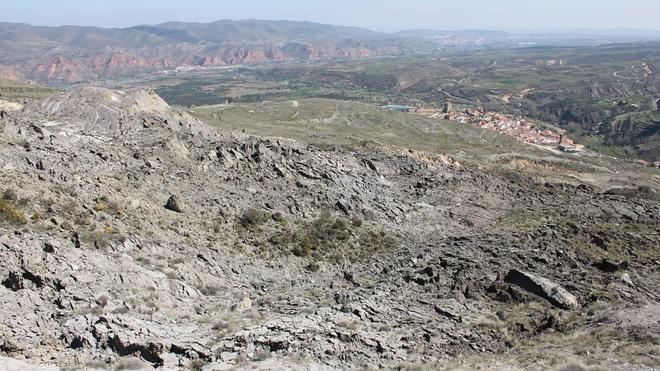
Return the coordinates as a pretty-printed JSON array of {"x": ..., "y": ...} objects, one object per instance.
[
  {"x": 69, "y": 54},
  {"x": 79, "y": 54}
]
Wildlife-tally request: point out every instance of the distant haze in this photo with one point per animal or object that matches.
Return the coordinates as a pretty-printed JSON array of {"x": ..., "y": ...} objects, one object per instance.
[{"x": 380, "y": 15}]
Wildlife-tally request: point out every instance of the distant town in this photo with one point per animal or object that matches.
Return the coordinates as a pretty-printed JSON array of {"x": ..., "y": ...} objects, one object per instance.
[
  {"x": 518, "y": 127},
  {"x": 521, "y": 128}
]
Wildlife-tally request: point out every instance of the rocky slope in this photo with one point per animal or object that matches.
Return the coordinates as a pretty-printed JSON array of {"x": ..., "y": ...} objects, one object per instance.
[{"x": 132, "y": 234}]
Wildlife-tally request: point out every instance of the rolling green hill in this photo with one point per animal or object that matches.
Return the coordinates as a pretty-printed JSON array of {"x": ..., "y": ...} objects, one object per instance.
[
  {"x": 19, "y": 92},
  {"x": 333, "y": 123}
]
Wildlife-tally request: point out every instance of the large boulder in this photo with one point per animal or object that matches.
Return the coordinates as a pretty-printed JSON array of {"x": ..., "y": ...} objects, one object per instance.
[
  {"x": 175, "y": 204},
  {"x": 543, "y": 287}
]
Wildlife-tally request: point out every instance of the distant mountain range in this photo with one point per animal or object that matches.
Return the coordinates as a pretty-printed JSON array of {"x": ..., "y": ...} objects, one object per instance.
[
  {"x": 70, "y": 54},
  {"x": 73, "y": 53}
]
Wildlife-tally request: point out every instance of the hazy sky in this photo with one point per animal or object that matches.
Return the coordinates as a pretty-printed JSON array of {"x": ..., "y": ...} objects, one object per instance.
[{"x": 381, "y": 15}]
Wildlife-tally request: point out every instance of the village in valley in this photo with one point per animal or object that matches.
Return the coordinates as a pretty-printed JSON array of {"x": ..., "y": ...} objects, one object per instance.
[{"x": 523, "y": 129}]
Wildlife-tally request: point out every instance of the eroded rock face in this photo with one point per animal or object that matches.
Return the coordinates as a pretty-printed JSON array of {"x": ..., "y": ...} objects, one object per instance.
[{"x": 288, "y": 255}]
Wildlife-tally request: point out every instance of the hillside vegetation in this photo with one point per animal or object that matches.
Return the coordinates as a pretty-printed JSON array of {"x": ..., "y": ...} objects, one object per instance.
[
  {"x": 331, "y": 123},
  {"x": 12, "y": 91}
]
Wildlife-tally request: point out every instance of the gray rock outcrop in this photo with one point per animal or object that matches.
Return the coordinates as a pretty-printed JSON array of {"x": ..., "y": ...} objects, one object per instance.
[
  {"x": 175, "y": 204},
  {"x": 543, "y": 287}
]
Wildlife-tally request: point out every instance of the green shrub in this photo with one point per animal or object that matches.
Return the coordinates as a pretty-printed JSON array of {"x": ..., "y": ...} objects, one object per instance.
[
  {"x": 299, "y": 251},
  {"x": 9, "y": 195},
  {"x": 209, "y": 290},
  {"x": 103, "y": 203},
  {"x": 110, "y": 230},
  {"x": 10, "y": 213},
  {"x": 100, "y": 206},
  {"x": 356, "y": 222},
  {"x": 313, "y": 267},
  {"x": 129, "y": 364},
  {"x": 278, "y": 217},
  {"x": 261, "y": 355},
  {"x": 197, "y": 364},
  {"x": 253, "y": 217},
  {"x": 334, "y": 239}
]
